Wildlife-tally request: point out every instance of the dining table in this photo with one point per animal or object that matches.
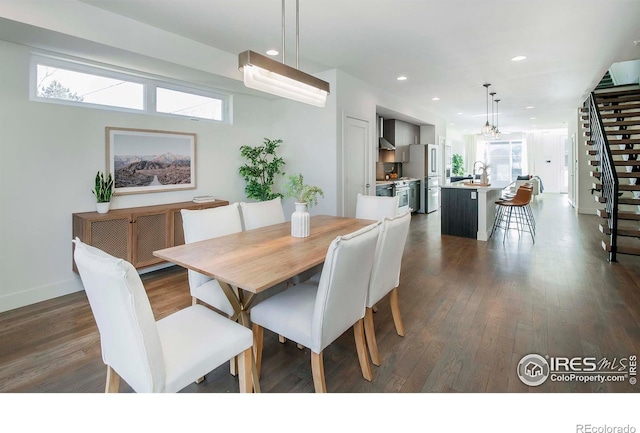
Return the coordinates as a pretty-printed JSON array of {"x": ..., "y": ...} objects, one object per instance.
[{"x": 253, "y": 261}]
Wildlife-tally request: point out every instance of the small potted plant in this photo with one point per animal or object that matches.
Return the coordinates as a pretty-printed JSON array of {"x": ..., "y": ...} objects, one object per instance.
[
  {"x": 306, "y": 196},
  {"x": 103, "y": 191}
]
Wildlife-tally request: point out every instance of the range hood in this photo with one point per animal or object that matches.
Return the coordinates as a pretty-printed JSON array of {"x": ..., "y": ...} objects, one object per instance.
[{"x": 383, "y": 142}]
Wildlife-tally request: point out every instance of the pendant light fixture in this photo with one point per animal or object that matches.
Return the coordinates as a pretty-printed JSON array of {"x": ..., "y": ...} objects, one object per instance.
[
  {"x": 493, "y": 126},
  {"x": 497, "y": 132},
  {"x": 271, "y": 76},
  {"x": 486, "y": 129}
]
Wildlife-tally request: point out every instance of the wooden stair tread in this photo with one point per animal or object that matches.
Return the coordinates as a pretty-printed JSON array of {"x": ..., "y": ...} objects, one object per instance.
[
  {"x": 631, "y": 233},
  {"x": 631, "y": 201},
  {"x": 598, "y": 187},
  {"x": 622, "y": 249},
  {"x": 608, "y": 108},
  {"x": 629, "y": 216},
  {"x": 623, "y": 141},
  {"x": 601, "y": 100},
  {"x": 624, "y": 114},
  {"x": 621, "y": 174},
  {"x": 626, "y": 163},
  {"x": 610, "y": 123},
  {"x": 625, "y": 151},
  {"x": 627, "y": 91}
]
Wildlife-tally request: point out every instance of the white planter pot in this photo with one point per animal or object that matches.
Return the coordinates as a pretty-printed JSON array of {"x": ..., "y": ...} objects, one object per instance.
[
  {"x": 103, "y": 207},
  {"x": 300, "y": 221}
]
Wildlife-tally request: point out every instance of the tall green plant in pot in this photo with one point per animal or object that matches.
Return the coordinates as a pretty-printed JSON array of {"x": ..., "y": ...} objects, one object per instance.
[
  {"x": 103, "y": 190},
  {"x": 306, "y": 196},
  {"x": 260, "y": 172},
  {"x": 457, "y": 164}
]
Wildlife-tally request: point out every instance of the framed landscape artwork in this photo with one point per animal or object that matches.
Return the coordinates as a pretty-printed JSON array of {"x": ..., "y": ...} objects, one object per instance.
[{"x": 143, "y": 160}]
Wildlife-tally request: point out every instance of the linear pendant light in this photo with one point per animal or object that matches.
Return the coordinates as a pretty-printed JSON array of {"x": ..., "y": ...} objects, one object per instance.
[
  {"x": 268, "y": 75},
  {"x": 486, "y": 129}
]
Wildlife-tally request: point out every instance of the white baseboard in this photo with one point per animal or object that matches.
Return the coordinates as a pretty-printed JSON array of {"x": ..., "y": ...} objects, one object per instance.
[{"x": 39, "y": 294}]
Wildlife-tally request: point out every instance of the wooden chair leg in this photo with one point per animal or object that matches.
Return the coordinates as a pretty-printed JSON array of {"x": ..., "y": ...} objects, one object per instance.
[
  {"x": 371, "y": 336},
  {"x": 245, "y": 370},
  {"x": 258, "y": 332},
  {"x": 233, "y": 366},
  {"x": 395, "y": 312},
  {"x": 361, "y": 346},
  {"x": 317, "y": 369},
  {"x": 113, "y": 381}
]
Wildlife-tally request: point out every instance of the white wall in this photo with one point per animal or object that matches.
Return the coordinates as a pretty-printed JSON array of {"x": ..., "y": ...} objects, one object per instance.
[
  {"x": 309, "y": 146},
  {"x": 50, "y": 154}
]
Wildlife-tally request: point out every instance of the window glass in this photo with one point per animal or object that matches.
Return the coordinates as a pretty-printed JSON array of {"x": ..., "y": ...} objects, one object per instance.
[
  {"x": 69, "y": 82},
  {"x": 57, "y": 83},
  {"x": 188, "y": 104}
]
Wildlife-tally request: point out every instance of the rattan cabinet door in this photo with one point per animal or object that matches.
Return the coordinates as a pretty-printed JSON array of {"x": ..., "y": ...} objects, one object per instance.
[
  {"x": 111, "y": 236},
  {"x": 150, "y": 233}
]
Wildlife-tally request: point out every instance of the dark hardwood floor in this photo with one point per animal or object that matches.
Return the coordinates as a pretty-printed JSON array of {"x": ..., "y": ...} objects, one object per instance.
[{"x": 471, "y": 311}]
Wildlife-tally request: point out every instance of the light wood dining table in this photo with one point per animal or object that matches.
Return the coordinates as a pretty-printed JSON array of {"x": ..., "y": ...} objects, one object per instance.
[{"x": 252, "y": 261}]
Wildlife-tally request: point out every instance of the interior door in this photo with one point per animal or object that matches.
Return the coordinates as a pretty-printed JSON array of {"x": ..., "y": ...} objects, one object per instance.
[{"x": 355, "y": 162}]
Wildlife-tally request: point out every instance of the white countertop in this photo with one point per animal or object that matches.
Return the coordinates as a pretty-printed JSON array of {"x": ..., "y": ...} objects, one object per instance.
[{"x": 461, "y": 185}]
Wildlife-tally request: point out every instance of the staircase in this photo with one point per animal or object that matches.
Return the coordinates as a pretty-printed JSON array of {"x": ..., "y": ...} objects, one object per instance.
[{"x": 612, "y": 126}]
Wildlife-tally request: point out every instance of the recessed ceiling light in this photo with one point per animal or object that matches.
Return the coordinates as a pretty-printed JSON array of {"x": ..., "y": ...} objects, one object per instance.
[
  {"x": 530, "y": 107},
  {"x": 461, "y": 112},
  {"x": 518, "y": 58},
  {"x": 401, "y": 78},
  {"x": 273, "y": 52},
  {"x": 435, "y": 98},
  {"x": 532, "y": 118},
  {"x": 452, "y": 124}
]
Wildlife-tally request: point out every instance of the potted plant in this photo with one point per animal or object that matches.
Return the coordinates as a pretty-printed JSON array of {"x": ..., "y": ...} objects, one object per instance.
[
  {"x": 103, "y": 191},
  {"x": 260, "y": 172},
  {"x": 457, "y": 164},
  {"x": 305, "y": 196}
]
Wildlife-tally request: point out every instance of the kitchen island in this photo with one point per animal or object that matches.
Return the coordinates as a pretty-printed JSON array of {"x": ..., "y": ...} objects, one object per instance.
[{"x": 468, "y": 210}]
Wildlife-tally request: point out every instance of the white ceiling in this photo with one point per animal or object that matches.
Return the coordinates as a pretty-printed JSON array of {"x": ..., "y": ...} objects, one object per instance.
[{"x": 446, "y": 48}]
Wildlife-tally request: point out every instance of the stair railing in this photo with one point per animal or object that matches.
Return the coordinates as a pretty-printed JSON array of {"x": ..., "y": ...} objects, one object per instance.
[{"x": 608, "y": 174}]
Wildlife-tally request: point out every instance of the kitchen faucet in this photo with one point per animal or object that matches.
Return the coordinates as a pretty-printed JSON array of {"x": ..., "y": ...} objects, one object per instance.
[{"x": 483, "y": 178}]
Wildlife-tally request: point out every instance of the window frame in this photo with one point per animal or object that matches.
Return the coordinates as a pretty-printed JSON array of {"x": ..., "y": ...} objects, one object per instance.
[{"x": 149, "y": 85}]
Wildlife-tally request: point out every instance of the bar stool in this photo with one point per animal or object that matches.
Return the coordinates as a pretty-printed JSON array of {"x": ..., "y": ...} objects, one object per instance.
[{"x": 515, "y": 211}]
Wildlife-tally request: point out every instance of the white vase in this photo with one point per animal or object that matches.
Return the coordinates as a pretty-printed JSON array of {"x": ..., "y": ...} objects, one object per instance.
[
  {"x": 300, "y": 221},
  {"x": 103, "y": 207}
]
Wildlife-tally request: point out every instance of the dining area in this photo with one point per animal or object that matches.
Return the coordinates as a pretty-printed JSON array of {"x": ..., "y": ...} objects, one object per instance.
[{"x": 249, "y": 276}]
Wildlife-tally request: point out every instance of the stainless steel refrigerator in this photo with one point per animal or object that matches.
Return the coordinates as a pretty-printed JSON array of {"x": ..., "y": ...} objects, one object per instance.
[{"x": 423, "y": 165}]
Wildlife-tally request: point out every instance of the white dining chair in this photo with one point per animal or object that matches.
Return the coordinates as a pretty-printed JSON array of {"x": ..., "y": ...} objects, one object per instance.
[
  {"x": 262, "y": 213},
  {"x": 369, "y": 207},
  {"x": 385, "y": 276},
  {"x": 162, "y": 356},
  {"x": 199, "y": 225},
  {"x": 376, "y": 207},
  {"x": 316, "y": 315}
]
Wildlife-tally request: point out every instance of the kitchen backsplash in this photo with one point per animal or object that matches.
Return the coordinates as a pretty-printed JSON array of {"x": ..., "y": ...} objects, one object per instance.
[{"x": 384, "y": 168}]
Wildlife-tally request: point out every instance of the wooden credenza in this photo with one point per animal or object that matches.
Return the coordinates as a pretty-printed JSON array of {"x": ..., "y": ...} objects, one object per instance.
[{"x": 135, "y": 233}]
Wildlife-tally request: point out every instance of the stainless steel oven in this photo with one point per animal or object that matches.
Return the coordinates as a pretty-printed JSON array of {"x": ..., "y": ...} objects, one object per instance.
[{"x": 402, "y": 192}]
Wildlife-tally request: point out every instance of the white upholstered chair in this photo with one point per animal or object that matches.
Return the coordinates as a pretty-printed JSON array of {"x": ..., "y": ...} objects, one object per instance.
[
  {"x": 262, "y": 213},
  {"x": 375, "y": 207},
  {"x": 316, "y": 315},
  {"x": 385, "y": 276},
  {"x": 204, "y": 224},
  {"x": 162, "y": 356}
]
